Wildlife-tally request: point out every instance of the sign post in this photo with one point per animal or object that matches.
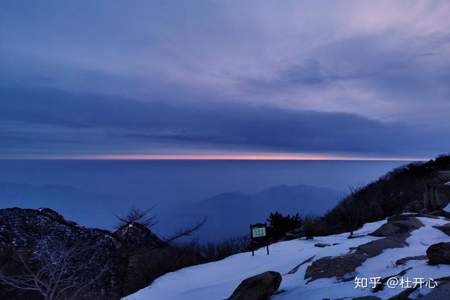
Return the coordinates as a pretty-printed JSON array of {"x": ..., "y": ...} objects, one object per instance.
[{"x": 258, "y": 233}]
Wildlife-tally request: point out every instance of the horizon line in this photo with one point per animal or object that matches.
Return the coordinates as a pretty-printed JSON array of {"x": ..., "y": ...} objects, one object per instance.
[{"x": 223, "y": 157}]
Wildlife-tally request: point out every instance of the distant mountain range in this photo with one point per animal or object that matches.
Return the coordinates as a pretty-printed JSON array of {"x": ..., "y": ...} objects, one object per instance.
[{"x": 229, "y": 214}]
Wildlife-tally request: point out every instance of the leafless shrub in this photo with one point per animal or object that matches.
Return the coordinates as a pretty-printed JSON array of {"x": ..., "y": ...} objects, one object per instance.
[
  {"x": 186, "y": 232},
  {"x": 136, "y": 215},
  {"x": 56, "y": 270}
]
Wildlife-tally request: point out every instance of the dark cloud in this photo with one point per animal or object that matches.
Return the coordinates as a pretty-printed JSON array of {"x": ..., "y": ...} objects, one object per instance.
[{"x": 64, "y": 123}]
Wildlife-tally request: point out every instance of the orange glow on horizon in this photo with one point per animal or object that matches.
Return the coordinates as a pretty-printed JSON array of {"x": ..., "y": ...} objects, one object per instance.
[{"x": 235, "y": 156}]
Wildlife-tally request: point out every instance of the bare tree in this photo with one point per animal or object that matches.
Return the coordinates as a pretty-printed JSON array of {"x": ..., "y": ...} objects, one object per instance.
[
  {"x": 351, "y": 211},
  {"x": 136, "y": 215},
  {"x": 56, "y": 270},
  {"x": 186, "y": 232},
  {"x": 148, "y": 220}
]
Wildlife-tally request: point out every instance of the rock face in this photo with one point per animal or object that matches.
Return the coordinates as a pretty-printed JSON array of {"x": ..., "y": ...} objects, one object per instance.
[
  {"x": 439, "y": 253},
  {"x": 259, "y": 287},
  {"x": 108, "y": 259}
]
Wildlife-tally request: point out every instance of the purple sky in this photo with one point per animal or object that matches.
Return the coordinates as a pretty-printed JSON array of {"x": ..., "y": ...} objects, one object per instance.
[{"x": 134, "y": 78}]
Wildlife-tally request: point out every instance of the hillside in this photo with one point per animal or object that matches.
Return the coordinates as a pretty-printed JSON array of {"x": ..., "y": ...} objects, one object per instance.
[
  {"x": 306, "y": 273},
  {"x": 417, "y": 187},
  {"x": 399, "y": 229}
]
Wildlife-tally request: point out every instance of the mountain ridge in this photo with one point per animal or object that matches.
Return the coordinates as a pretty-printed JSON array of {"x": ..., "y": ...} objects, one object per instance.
[{"x": 229, "y": 214}]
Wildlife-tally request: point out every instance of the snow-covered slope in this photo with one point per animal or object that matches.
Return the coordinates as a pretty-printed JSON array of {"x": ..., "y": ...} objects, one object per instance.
[{"x": 217, "y": 280}]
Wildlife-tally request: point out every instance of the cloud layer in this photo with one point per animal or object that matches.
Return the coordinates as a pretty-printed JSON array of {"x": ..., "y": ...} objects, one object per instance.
[{"x": 157, "y": 77}]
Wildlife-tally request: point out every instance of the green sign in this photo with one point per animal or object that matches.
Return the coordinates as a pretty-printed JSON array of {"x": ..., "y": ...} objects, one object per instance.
[{"x": 258, "y": 232}]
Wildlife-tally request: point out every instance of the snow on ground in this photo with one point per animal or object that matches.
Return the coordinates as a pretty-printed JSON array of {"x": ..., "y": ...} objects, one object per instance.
[{"x": 217, "y": 280}]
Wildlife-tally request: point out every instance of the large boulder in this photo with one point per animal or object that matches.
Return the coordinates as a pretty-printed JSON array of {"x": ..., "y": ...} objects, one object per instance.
[
  {"x": 259, "y": 287},
  {"x": 439, "y": 253}
]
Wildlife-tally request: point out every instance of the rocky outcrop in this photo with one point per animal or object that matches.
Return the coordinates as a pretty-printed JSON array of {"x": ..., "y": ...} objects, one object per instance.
[
  {"x": 23, "y": 230},
  {"x": 395, "y": 232},
  {"x": 259, "y": 287},
  {"x": 336, "y": 266},
  {"x": 439, "y": 253},
  {"x": 110, "y": 257},
  {"x": 398, "y": 225}
]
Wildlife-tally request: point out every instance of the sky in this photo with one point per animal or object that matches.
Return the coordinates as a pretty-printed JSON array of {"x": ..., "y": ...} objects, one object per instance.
[{"x": 224, "y": 79}]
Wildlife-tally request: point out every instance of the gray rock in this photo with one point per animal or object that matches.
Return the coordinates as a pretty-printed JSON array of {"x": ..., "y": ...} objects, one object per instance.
[
  {"x": 375, "y": 248},
  {"x": 403, "y": 261},
  {"x": 444, "y": 228},
  {"x": 336, "y": 266},
  {"x": 396, "y": 230},
  {"x": 439, "y": 253},
  {"x": 397, "y": 226},
  {"x": 259, "y": 287}
]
